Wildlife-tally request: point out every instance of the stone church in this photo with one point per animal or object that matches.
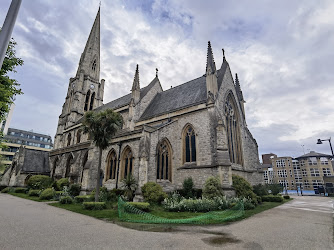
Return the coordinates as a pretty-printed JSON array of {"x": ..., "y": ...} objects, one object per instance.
[{"x": 196, "y": 129}]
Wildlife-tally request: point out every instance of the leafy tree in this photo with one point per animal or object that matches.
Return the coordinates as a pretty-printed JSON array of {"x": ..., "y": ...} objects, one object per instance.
[
  {"x": 101, "y": 127},
  {"x": 9, "y": 87}
]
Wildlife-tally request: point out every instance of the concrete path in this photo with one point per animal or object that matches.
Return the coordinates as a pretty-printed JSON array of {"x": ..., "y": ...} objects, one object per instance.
[{"x": 304, "y": 223}]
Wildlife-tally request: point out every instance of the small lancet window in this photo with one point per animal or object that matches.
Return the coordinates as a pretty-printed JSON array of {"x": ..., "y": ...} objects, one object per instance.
[
  {"x": 87, "y": 100},
  {"x": 189, "y": 144},
  {"x": 69, "y": 138},
  {"x": 91, "y": 105},
  {"x": 79, "y": 136},
  {"x": 94, "y": 65}
]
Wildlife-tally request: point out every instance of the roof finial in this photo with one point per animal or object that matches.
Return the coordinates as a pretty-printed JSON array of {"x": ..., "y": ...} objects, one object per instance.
[
  {"x": 223, "y": 54},
  {"x": 100, "y": 4},
  {"x": 136, "y": 84},
  {"x": 156, "y": 72},
  {"x": 210, "y": 62}
]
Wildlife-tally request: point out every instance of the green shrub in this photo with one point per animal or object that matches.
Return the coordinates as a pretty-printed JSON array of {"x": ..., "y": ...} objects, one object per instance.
[
  {"x": 249, "y": 205},
  {"x": 94, "y": 205},
  {"x": 260, "y": 190},
  {"x": 275, "y": 188},
  {"x": 144, "y": 206},
  {"x": 74, "y": 189},
  {"x": 152, "y": 193},
  {"x": 20, "y": 190},
  {"x": 188, "y": 186},
  {"x": 39, "y": 182},
  {"x": 286, "y": 197},
  {"x": 61, "y": 183},
  {"x": 34, "y": 192},
  {"x": 58, "y": 194},
  {"x": 129, "y": 185},
  {"x": 47, "y": 194},
  {"x": 6, "y": 190},
  {"x": 66, "y": 200},
  {"x": 115, "y": 193},
  {"x": 83, "y": 198},
  {"x": 212, "y": 188},
  {"x": 243, "y": 188},
  {"x": 259, "y": 199},
  {"x": 272, "y": 198}
]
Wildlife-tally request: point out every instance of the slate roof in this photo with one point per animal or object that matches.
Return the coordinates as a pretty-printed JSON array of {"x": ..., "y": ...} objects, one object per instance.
[
  {"x": 314, "y": 154},
  {"x": 125, "y": 100},
  {"x": 182, "y": 96}
]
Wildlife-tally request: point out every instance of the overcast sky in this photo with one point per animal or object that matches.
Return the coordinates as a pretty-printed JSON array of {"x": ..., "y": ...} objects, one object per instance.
[{"x": 283, "y": 52}]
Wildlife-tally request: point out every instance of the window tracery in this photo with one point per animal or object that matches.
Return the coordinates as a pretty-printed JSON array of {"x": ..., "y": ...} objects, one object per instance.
[
  {"x": 189, "y": 138},
  {"x": 111, "y": 166},
  {"x": 164, "y": 165},
  {"x": 233, "y": 130},
  {"x": 127, "y": 163}
]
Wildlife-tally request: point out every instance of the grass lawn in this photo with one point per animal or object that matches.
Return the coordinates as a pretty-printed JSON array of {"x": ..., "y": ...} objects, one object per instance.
[{"x": 111, "y": 214}]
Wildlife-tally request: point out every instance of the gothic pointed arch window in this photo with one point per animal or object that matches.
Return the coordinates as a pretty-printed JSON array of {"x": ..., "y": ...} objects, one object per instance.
[
  {"x": 127, "y": 162},
  {"x": 68, "y": 165},
  {"x": 87, "y": 100},
  {"x": 70, "y": 100},
  {"x": 79, "y": 135},
  {"x": 189, "y": 144},
  {"x": 164, "y": 161},
  {"x": 233, "y": 130},
  {"x": 91, "y": 105},
  {"x": 69, "y": 138},
  {"x": 111, "y": 165}
]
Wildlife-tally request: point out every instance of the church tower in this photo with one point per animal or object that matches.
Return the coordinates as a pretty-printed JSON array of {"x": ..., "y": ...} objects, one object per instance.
[{"x": 85, "y": 91}]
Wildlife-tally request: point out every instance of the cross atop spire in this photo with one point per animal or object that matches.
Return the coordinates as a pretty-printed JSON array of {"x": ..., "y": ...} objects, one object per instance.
[
  {"x": 90, "y": 58},
  {"x": 224, "y": 59},
  {"x": 210, "y": 62},
  {"x": 136, "y": 84}
]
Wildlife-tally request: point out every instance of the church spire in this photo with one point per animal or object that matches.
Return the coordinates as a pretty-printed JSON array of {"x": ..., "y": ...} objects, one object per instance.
[
  {"x": 90, "y": 58},
  {"x": 210, "y": 62}
]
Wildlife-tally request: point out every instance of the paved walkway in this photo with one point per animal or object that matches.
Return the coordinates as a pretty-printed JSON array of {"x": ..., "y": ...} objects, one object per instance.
[{"x": 304, "y": 223}]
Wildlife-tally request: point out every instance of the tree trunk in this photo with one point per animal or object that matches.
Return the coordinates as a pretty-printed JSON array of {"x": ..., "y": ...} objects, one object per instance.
[{"x": 97, "y": 191}]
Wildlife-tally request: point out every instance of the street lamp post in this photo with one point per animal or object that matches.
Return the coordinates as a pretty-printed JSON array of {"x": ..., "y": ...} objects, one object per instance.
[{"x": 330, "y": 144}]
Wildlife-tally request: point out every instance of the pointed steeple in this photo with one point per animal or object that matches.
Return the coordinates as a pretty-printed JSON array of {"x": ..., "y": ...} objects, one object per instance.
[
  {"x": 210, "y": 62},
  {"x": 90, "y": 58},
  {"x": 238, "y": 88},
  {"x": 136, "y": 87}
]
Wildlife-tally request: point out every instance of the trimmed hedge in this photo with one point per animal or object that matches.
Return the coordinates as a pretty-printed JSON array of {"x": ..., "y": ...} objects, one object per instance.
[
  {"x": 62, "y": 183},
  {"x": 6, "y": 190},
  {"x": 34, "y": 192},
  {"x": 20, "y": 190},
  {"x": 47, "y": 194},
  {"x": 272, "y": 198},
  {"x": 39, "y": 182},
  {"x": 83, "y": 198},
  {"x": 144, "y": 206},
  {"x": 286, "y": 197},
  {"x": 212, "y": 188},
  {"x": 65, "y": 200},
  {"x": 94, "y": 205}
]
